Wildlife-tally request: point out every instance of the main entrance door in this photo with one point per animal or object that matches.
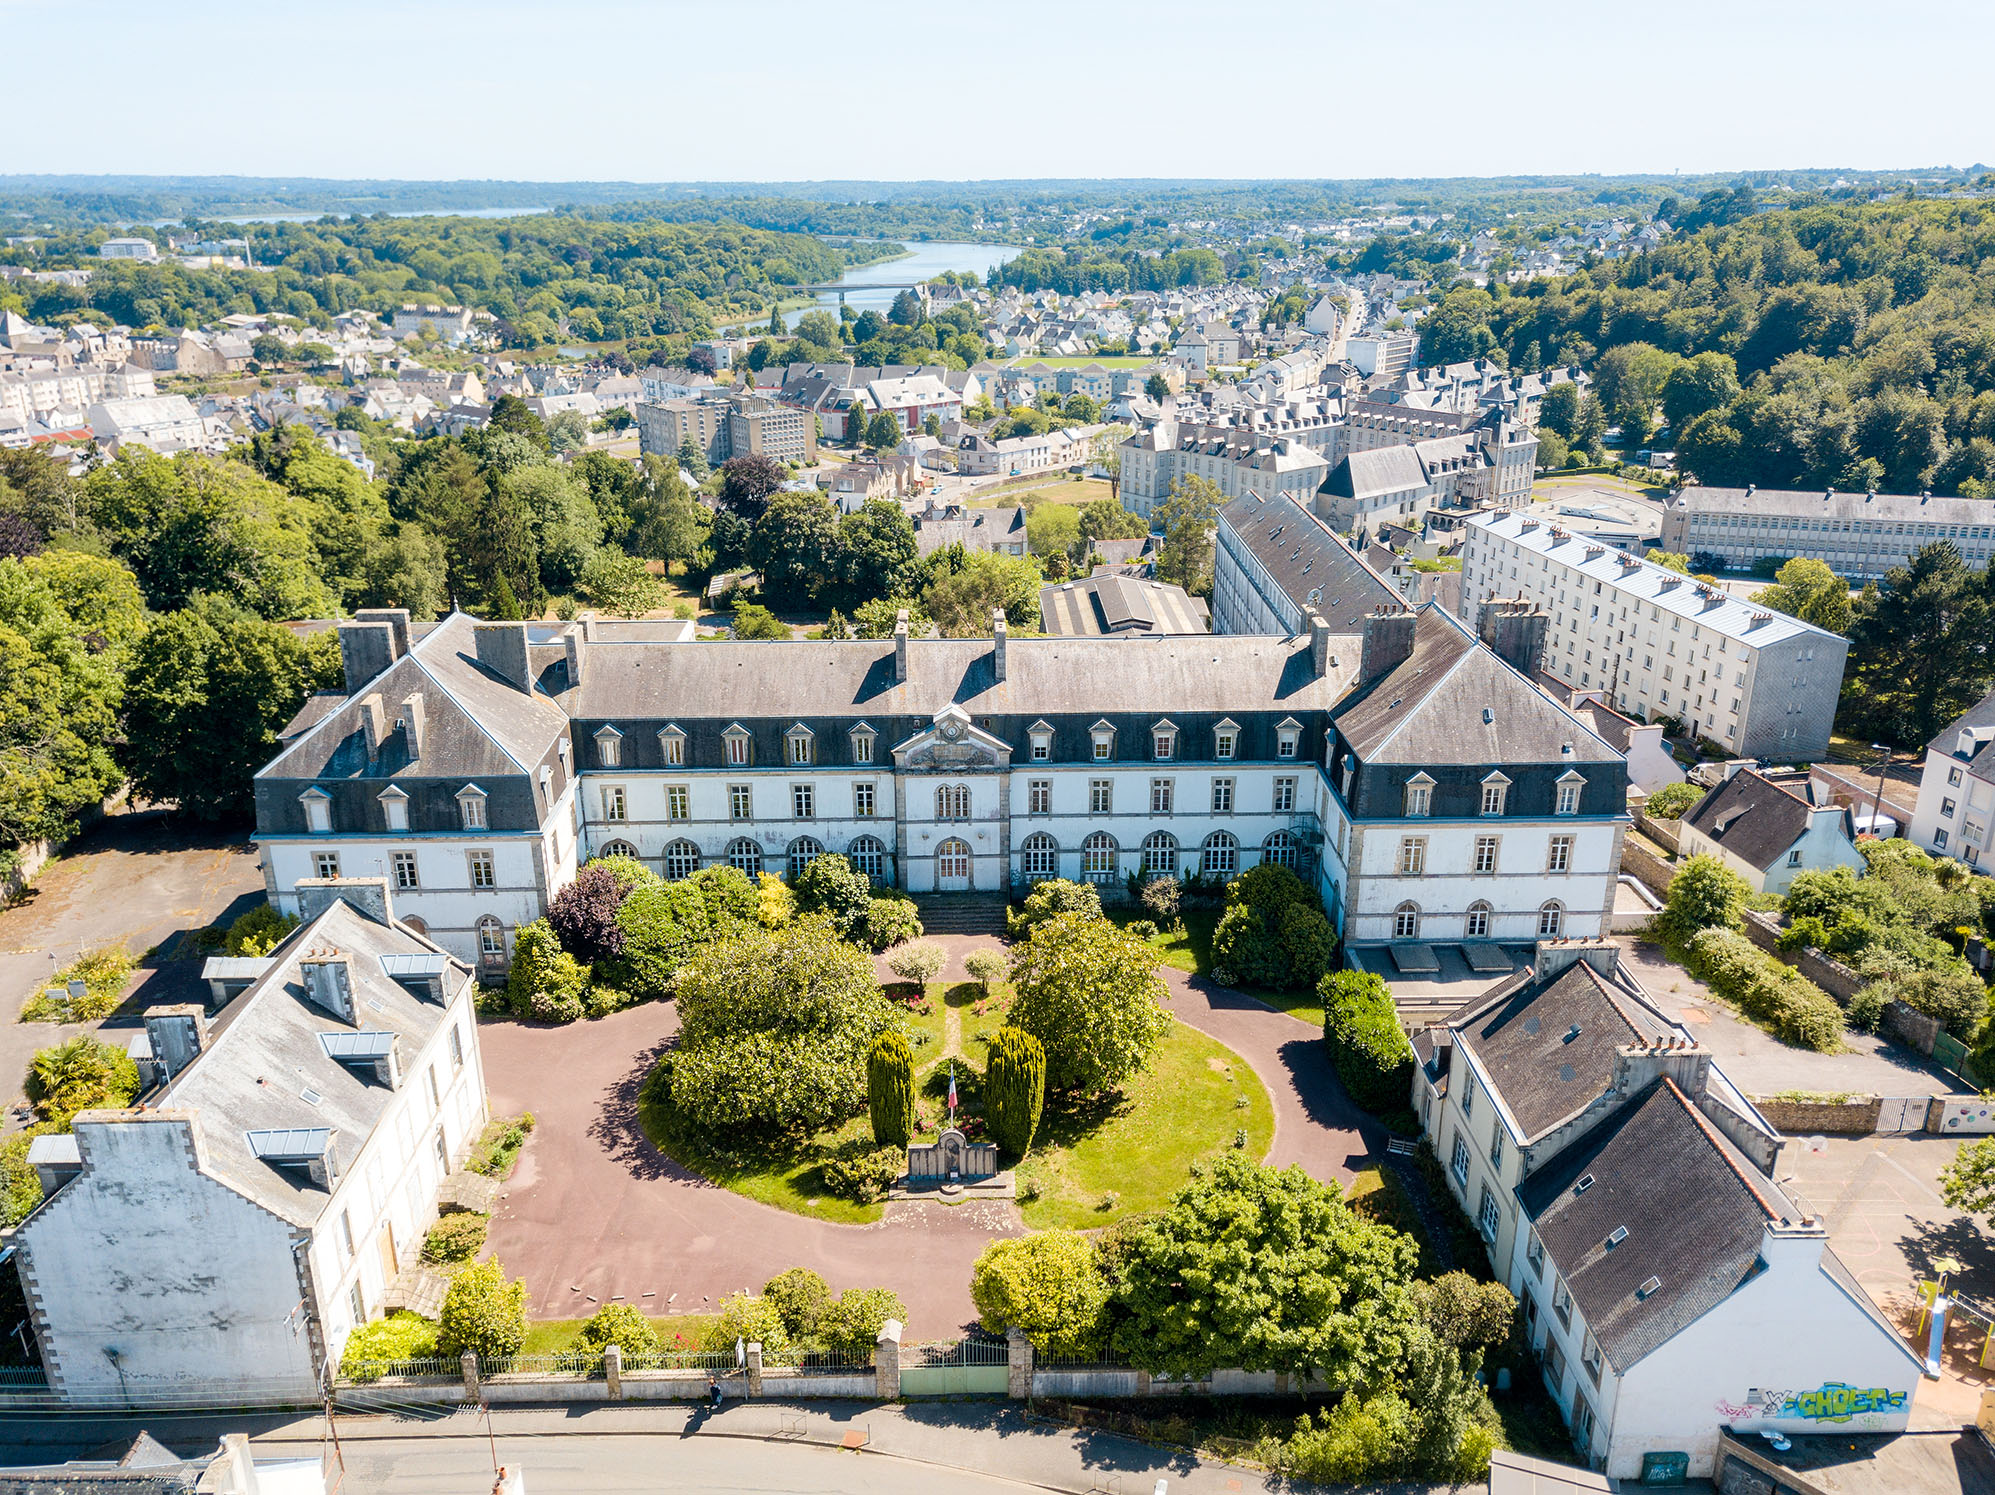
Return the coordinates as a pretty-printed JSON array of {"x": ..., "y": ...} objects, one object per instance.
[{"x": 952, "y": 867}]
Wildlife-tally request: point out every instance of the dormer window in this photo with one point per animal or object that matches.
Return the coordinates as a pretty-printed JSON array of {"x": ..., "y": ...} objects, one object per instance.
[
  {"x": 800, "y": 745},
  {"x": 1103, "y": 735},
  {"x": 1570, "y": 785},
  {"x": 672, "y": 747},
  {"x": 1164, "y": 740},
  {"x": 609, "y": 748},
  {"x": 1288, "y": 734},
  {"x": 395, "y": 808},
  {"x": 1495, "y": 789},
  {"x": 318, "y": 810},
  {"x": 1042, "y": 741},
  {"x": 863, "y": 739},
  {"x": 1225, "y": 738},
  {"x": 471, "y": 807},
  {"x": 1419, "y": 795},
  {"x": 740, "y": 746}
]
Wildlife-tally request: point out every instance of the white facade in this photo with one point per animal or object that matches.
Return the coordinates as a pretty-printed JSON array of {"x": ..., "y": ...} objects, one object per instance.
[
  {"x": 1757, "y": 683},
  {"x": 1957, "y": 789}
]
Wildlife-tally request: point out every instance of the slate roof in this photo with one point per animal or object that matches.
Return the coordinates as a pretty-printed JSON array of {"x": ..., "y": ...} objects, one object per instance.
[
  {"x": 1386, "y": 469},
  {"x": 1752, "y": 818},
  {"x": 1544, "y": 1071},
  {"x": 1123, "y": 606},
  {"x": 1694, "y": 1208},
  {"x": 1817, "y": 503},
  {"x": 1980, "y": 714},
  {"x": 738, "y": 680},
  {"x": 1431, "y": 708},
  {"x": 1312, "y": 566},
  {"x": 267, "y": 1049}
]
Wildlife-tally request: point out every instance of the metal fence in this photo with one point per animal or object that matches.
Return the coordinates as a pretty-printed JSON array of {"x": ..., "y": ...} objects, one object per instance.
[
  {"x": 831, "y": 1363},
  {"x": 565, "y": 1363},
  {"x": 952, "y": 1353},
  {"x": 364, "y": 1372},
  {"x": 678, "y": 1360},
  {"x": 22, "y": 1378}
]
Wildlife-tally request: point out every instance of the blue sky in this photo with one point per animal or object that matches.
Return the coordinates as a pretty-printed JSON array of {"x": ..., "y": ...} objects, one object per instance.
[{"x": 889, "y": 89}]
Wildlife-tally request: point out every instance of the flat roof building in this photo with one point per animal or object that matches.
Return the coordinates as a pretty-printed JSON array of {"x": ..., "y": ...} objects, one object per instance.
[{"x": 1858, "y": 535}]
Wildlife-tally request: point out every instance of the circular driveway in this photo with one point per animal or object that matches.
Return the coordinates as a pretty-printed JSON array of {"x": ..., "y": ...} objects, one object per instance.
[{"x": 595, "y": 1213}]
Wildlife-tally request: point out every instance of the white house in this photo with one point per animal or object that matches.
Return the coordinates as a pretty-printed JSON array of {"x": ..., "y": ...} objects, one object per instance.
[
  {"x": 1623, "y": 1187},
  {"x": 1767, "y": 832},
  {"x": 239, "y": 1224},
  {"x": 1957, "y": 787}
]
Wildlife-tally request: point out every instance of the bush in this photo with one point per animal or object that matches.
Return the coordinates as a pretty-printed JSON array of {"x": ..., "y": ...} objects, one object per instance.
[
  {"x": 1672, "y": 800},
  {"x": 454, "y": 1238},
  {"x": 583, "y": 915},
  {"x": 986, "y": 967},
  {"x": 81, "y": 1074},
  {"x": 1273, "y": 933},
  {"x": 103, "y": 974},
  {"x": 258, "y": 932},
  {"x": 1465, "y": 1312},
  {"x": 546, "y": 983},
  {"x": 20, "y": 1185},
  {"x": 890, "y": 1088},
  {"x": 851, "y": 1324},
  {"x": 622, "y": 1325},
  {"x": 750, "y": 1320},
  {"x": 1143, "y": 929},
  {"x": 891, "y": 921},
  {"x": 830, "y": 887},
  {"x": 659, "y": 924},
  {"x": 1054, "y": 896},
  {"x": 1956, "y": 996},
  {"x": 387, "y": 1341},
  {"x": 862, "y": 1174},
  {"x": 601, "y": 1001},
  {"x": 919, "y": 963},
  {"x": 483, "y": 1313},
  {"x": 1367, "y": 1046},
  {"x": 1704, "y": 894},
  {"x": 1014, "y": 1089},
  {"x": 1161, "y": 897},
  {"x": 799, "y": 1296},
  {"x": 1793, "y": 1007},
  {"x": 1050, "y": 1285}
]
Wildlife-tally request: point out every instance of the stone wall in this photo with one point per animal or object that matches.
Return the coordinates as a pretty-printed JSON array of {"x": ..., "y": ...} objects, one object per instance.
[
  {"x": 1835, "y": 978},
  {"x": 1665, "y": 833},
  {"x": 1650, "y": 870},
  {"x": 1855, "y": 1117},
  {"x": 1910, "y": 1027}
]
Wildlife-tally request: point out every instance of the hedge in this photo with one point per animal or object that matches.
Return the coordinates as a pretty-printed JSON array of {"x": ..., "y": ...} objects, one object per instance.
[
  {"x": 1368, "y": 1047},
  {"x": 1797, "y": 1010}
]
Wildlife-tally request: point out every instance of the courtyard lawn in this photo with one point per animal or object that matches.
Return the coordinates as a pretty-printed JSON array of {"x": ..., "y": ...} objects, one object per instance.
[
  {"x": 554, "y": 1336},
  {"x": 1191, "y": 952},
  {"x": 1128, "y": 1156},
  {"x": 1054, "y": 488}
]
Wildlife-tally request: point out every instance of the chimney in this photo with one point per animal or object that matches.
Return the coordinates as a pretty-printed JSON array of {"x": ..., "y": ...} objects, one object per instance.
[
  {"x": 388, "y": 1068},
  {"x": 502, "y": 650},
  {"x": 322, "y": 1167},
  {"x": 587, "y": 618},
  {"x": 900, "y": 645},
  {"x": 576, "y": 641},
  {"x": 997, "y": 643},
  {"x": 411, "y": 723},
  {"x": 1556, "y": 956},
  {"x": 397, "y": 619},
  {"x": 365, "y": 895},
  {"x": 328, "y": 978},
  {"x": 1515, "y": 631},
  {"x": 365, "y": 650},
  {"x": 1388, "y": 642},
  {"x": 176, "y": 1034},
  {"x": 374, "y": 721},
  {"x": 1319, "y": 644},
  {"x": 1682, "y": 1060}
]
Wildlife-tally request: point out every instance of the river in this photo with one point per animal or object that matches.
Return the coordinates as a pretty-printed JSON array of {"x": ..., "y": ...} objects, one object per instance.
[{"x": 924, "y": 262}]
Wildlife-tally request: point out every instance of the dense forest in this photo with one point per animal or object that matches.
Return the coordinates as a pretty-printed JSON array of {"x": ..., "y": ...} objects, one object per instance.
[
  {"x": 543, "y": 276},
  {"x": 1835, "y": 345}
]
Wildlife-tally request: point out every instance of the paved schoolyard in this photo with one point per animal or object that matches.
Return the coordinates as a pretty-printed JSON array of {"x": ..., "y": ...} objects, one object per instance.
[
  {"x": 135, "y": 879},
  {"x": 595, "y": 1210}
]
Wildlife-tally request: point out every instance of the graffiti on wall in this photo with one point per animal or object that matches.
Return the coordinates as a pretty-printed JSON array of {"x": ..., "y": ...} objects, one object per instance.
[{"x": 1832, "y": 1401}]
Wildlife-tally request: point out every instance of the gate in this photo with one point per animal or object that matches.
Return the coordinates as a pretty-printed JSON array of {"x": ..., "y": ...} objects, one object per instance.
[
  {"x": 1901, "y": 1113},
  {"x": 969, "y": 1367}
]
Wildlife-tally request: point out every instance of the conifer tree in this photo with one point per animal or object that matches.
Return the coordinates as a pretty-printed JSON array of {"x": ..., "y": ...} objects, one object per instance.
[
  {"x": 890, "y": 1089},
  {"x": 1014, "y": 1088}
]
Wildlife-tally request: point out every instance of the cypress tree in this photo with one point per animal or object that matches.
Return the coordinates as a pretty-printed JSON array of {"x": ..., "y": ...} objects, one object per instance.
[
  {"x": 890, "y": 1088},
  {"x": 1014, "y": 1088}
]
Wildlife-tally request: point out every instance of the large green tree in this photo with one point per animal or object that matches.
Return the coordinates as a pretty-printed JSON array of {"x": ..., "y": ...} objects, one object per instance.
[
  {"x": 1922, "y": 648},
  {"x": 1089, "y": 992},
  {"x": 1188, "y": 518},
  {"x": 206, "y": 692},
  {"x": 1050, "y": 1285},
  {"x": 1807, "y": 589},
  {"x": 1265, "y": 1269}
]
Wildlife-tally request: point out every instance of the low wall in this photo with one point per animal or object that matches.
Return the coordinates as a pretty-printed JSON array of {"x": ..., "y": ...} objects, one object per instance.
[
  {"x": 1094, "y": 1381},
  {"x": 1855, "y": 1117},
  {"x": 1648, "y": 869},
  {"x": 1960, "y": 1115},
  {"x": 1835, "y": 978},
  {"x": 1909, "y": 1026},
  {"x": 1667, "y": 834},
  {"x": 1634, "y": 920}
]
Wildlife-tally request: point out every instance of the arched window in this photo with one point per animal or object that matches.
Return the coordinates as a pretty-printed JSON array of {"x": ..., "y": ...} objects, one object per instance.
[
  {"x": 1039, "y": 857},
  {"x": 745, "y": 854},
  {"x": 1098, "y": 857},
  {"x": 1478, "y": 921},
  {"x": 952, "y": 802},
  {"x": 1160, "y": 854},
  {"x": 867, "y": 855},
  {"x": 803, "y": 851},
  {"x": 618, "y": 849},
  {"x": 1282, "y": 850},
  {"x": 1220, "y": 856},
  {"x": 1551, "y": 920},
  {"x": 417, "y": 925},
  {"x": 491, "y": 940},
  {"x": 682, "y": 859},
  {"x": 1406, "y": 922}
]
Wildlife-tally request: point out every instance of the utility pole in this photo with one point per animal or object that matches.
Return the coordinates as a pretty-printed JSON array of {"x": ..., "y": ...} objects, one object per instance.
[{"x": 1883, "y": 751}]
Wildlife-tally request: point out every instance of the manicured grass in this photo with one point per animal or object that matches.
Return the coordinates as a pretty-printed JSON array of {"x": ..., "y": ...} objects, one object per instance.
[
  {"x": 1191, "y": 952},
  {"x": 552, "y": 1336},
  {"x": 1059, "y": 488},
  {"x": 1138, "y": 1148}
]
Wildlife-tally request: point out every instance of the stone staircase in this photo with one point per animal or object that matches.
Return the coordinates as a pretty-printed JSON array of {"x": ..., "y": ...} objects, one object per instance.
[{"x": 961, "y": 913}]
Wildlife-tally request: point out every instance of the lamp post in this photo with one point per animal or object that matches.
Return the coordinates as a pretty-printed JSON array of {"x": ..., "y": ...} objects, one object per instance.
[{"x": 1883, "y": 751}]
